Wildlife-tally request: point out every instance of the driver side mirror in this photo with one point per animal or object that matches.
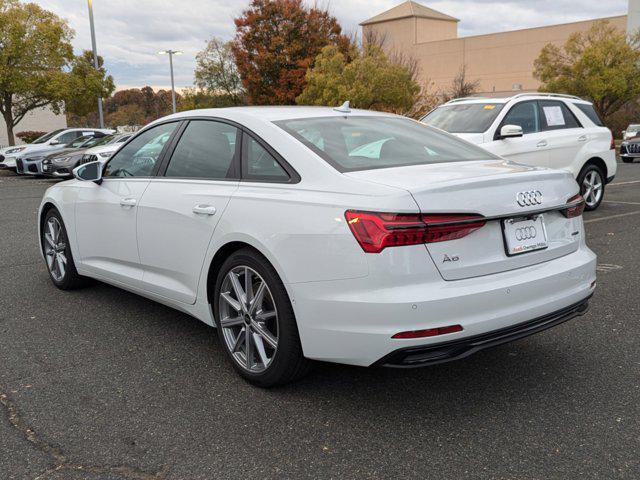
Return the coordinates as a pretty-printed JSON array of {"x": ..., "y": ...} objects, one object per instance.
[
  {"x": 89, "y": 172},
  {"x": 511, "y": 131}
]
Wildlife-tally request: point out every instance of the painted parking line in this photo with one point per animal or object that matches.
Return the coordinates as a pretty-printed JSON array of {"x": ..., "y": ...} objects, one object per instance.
[
  {"x": 623, "y": 203},
  {"x": 622, "y": 184},
  {"x": 611, "y": 217}
]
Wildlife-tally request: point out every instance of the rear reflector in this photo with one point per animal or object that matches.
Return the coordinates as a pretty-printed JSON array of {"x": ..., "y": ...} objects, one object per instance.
[
  {"x": 376, "y": 231},
  {"x": 429, "y": 332},
  {"x": 575, "y": 207}
]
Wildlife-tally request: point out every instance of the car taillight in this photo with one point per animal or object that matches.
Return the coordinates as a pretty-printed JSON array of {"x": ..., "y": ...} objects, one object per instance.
[
  {"x": 613, "y": 142},
  {"x": 429, "y": 332},
  {"x": 376, "y": 231},
  {"x": 575, "y": 207}
]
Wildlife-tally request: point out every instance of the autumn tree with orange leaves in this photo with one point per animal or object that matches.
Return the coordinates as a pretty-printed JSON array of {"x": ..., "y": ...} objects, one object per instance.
[{"x": 276, "y": 42}]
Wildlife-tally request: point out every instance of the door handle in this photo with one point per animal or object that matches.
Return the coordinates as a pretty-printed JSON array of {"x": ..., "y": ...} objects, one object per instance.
[
  {"x": 542, "y": 144},
  {"x": 128, "y": 202},
  {"x": 204, "y": 209},
  {"x": 583, "y": 138}
]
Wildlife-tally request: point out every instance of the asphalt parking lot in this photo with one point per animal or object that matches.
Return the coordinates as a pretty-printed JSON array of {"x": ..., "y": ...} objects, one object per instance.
[{"x": 102, "y": 384}]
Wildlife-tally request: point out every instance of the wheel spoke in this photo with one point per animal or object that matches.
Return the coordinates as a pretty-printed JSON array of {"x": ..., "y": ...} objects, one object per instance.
[
  {"x": 52, "y": 230},
  {"x": 49, "y": 240},
  {"x": 61, "y": 267},
  {"x": 248, "y": 352},
  {"x": 248, "y": 285},
  {"x": 50, "y": 259},
  {"x": 231, "y": 301},
  {"x": 265, "y": 334},
  {"x": 231, "y": 321},
  {"x": 239, "y": 340},
  {"x": 263, "y": 316},
  {"x": 257, "y": 339},
  {"x": 237, "y": 288},
  {"x": 257, "y": 299}
]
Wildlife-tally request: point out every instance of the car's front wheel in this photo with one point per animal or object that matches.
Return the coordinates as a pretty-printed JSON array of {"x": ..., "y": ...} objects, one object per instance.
[
  {"x": 57, "y": 253},
  {"x": 256, "y": 323},
  {"x": 592, "y": 182}
]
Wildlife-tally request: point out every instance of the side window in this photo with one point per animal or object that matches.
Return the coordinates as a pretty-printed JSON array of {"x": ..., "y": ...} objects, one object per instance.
[
  {"x": 525, "y": 115},
  {"x": 206, "y": 150},
  {"x": 557, "y": 116},
  {"x": 69, "y": 137},
  {"x": 138, "y": 157},
  {"x": 259, "y": 164}
]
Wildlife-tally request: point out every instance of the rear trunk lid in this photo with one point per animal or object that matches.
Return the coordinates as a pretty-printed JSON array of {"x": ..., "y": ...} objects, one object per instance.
[{"x": 489, "y": 188}]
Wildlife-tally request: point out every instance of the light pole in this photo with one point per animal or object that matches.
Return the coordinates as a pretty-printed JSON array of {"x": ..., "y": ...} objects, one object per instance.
[
  {"x": 171, "y": 53},
  {"x": 95, "y": 58}
]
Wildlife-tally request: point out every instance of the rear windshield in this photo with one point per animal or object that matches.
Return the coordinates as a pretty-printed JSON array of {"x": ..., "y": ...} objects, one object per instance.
[
  {"x": 464, "y": 118},
  {"x": 364, "y": 143},
  {"x": 590, "y": 112}
]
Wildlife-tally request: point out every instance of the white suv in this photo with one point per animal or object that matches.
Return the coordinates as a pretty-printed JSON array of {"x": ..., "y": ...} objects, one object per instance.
[{"x": 544, "y": 130}]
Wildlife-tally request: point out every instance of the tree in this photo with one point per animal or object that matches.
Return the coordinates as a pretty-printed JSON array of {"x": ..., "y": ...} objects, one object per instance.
[
  {"x": 193, "y": 99},
  {"x": 216, "y": 72},
  {"x": 461, "y": 87},
  {"x": 601, "y": 64},
  {"x": 38, "y": 67},
  {"x": 369, "y": 81},
  {"x": 35, "y": 45},
  {"x": 87, "y": 84},
  {"x": 276, "y": 42}
]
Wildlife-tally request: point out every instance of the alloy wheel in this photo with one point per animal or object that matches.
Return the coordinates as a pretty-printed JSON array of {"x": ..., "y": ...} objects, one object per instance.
[
  {"x": 592, "y": 187},
  {"x": 54, "y": 248},
  {"x": 248, "y": 318}
]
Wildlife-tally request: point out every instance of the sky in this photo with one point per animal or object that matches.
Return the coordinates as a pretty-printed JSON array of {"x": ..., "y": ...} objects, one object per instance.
[{"x": 131, "y": 32}]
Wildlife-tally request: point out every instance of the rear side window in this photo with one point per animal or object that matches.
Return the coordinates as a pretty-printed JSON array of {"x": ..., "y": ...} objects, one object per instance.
[
  {"x": 354, "y": 143},
  {"x": 206, "y": 150},
  {"x": 590, "y": 112},
  {"x": 259, "y": 164},
  {"x": 557, "y": 116},
  {"x": 524, "y": 115},
  {"x": 69, "y": 136}
]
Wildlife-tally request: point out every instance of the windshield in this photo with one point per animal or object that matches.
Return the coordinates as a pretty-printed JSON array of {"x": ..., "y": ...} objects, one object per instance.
[
  {"x": 78, "y": 142},
  {"x": 464, "y": 118},
  {"x": 48, "y": 136},
  {"x": 633, "y": 128},
  {"x": 363, "y": 143}
]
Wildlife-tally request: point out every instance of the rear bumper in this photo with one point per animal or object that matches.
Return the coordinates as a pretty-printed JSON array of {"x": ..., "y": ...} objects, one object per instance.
[
  {"x": 353, "y": 321},
  {"x": 458, "y": 349}
]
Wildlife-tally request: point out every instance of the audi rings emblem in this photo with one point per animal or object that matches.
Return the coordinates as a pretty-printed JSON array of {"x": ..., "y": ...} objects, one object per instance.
[
  {"x": 526, "y": 233},
  {"x": 529, "y": 199}
]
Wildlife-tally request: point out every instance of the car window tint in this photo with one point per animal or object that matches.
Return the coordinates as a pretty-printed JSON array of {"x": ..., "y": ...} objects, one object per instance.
[
  {"x": 259, "y": 164},
  {"x": 206, "y": 150},
  {"x": 363, "y": 143},
  {"x": 590, "y": 112},
  {"x": 524, "y": 115},
  {"x": 465, "y": 117},
  {"x": 69, "y": 136},
  {"x": 557, "y": 116},
  {"x": 138, "y": 157}
]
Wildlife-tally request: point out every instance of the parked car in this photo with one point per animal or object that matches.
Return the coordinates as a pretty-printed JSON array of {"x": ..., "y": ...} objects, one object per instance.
[
  {"x": 50, "y": 142},
  {"x": 544, "y": 130},
  {"x": 285, "y": 230},
  {"x": 630, "y": 150},
  {"x": 632, "y": 130},
  {"x": 103, "y": 152},
  {"x": 32, "y": 163},
  {"x": 61, "y": 164}
]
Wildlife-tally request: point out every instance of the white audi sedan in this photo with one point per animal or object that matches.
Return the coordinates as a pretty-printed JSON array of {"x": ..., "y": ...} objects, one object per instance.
[{"x": 309, "y": 233}]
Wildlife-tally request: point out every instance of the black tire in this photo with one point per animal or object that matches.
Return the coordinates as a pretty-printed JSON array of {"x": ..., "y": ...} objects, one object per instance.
[
  {"x": 627, "y": 159},
  {"x": 71, "y": 279},
  {"x": 288, "y": 363},
  {"x": 591, "y": 169}
]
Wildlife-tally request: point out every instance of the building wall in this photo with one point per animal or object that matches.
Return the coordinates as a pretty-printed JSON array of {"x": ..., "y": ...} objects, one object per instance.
[
  {"x": 498, "y": 60},
  {"x": 41, "y": 120}
]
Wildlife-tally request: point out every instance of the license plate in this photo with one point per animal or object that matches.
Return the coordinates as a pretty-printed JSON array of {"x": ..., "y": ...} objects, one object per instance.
[{"x": 523, "y": 235}]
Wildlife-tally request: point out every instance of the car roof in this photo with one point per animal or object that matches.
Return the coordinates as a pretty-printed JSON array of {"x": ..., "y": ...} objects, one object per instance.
[
  {"x": 275, "y": 113},
  {"x": 523, "y": 96}
]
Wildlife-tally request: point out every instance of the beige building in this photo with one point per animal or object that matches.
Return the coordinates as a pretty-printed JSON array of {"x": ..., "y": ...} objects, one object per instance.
[
  {"x": 39, "y": 120},
  {"x": 502, "y": 62}
]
